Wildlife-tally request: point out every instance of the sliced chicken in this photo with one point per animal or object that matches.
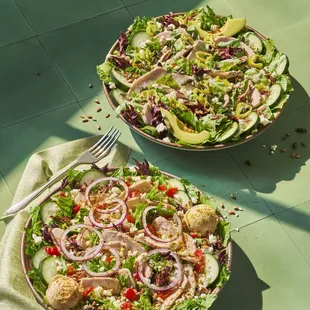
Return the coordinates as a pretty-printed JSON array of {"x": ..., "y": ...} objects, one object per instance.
[
  {"x": 189, "y": 259},
  {"x": 164, "y": 36},
  {"x": 111, "y": 235},
  {"x": 105, "y": 282},
  {"x": 142, "y": 186},
  {"x": 183, "y": 53},
  {"x": 82, "y": 238},
  {"x": 223, "y": 39},
  {"x": 126, "y": 272},
  {"x": 189, "y": 242},
  {"x": 256, "y": 98},
  {"x": 132, "y": 202},
  {"x": 163, "y": 227},
  {"x": 249, "y": 52},
  {"x": 191, "y": 285},
  {"x": 145, "y": 80},
  {"x": 168, "y": 303},
  {"x": 147, "y": 115},
  {"x": 225, "y": 75},
  {"x": 56, "y": 234},
  {"x": 244, "y": 95},
  {"x": 226, "y": 100},
  {"x": 174, "y": 245},
  {"x": 121, "y": 247},
  {"x": 164, "y": 56},
  {"x": 182, "y": 79},
  {"x": 197, "y": 47}
]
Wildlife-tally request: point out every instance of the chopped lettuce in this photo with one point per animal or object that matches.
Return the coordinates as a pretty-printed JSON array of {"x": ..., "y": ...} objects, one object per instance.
[
  {"x": 208, "y": 18},
  {"x": 168, "y": 80},
  {"x": 197, "y": 303},
  {"x": 106, "y": 304},
  {"x": 219, "y": 86},
  {"x": 129, "y": 263},
  {"x": 138, "y": 214},
  {"x": 79, "y": 217},
  {"x": 223, "y": 230},
  {"x": 104, "y": 70},
  {"x": 65, "y": 204},
  {"x": 37, "y": 282},
  {"x": 151, "y": 130},
  {"x": 228, "y": 64},
  {"x": 223, "y": 277},
  {"x": 189, "y": 118},
  {"x": 192, "y": 192},
  {"x": 139, "y": 25},
  {"x": 144, "y": 302},
  {"x": 270, "y": 50}
]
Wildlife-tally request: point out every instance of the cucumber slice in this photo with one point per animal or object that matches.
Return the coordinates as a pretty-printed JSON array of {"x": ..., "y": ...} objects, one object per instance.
[
  {"x": 275, "y": 95},
  {"x": 212, "y": 268},
  {"x": 229, "y": 133},
  {"x": 117, "y": 97},
  {"x": 119, "y": 80},
  {"x": 38, "y": 257},
  {"x": 184, "y": 200},
  {"x": 249, "y": 122},
  {"x": 48, "y": 268},
  {"x": 254, "y": 42},
  {"x": 176, "y": 183},
  {"x": 47, "y": 210},
  {"x": 139, "y": 38},
  {"x": 90, "y": 176},
  {"x": 282, "y": 64}
]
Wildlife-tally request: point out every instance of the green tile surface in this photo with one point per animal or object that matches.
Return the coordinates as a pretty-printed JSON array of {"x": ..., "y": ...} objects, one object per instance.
[
  {"x": 45, "y": 15},
  {"x": 24, "y": 94},
  {"x": 76, "y": 50},
  {"x": 271, "y": 251},
  {"x": 11, "y": 18}
]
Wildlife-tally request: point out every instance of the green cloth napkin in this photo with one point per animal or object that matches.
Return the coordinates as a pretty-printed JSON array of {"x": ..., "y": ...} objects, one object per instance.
[{"x": 15, "y": 293}]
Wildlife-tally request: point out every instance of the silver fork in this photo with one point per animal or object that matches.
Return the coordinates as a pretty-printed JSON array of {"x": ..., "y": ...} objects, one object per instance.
[{"x": 93, "y": 155}]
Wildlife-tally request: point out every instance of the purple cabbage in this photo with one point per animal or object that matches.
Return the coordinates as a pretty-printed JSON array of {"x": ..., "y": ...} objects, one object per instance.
[
  {"x": 167, "y": 20},
  {"x": 120, "y": 61},
  {"x": 122, "y": 43},
  {"x": 229, "y": 52}
]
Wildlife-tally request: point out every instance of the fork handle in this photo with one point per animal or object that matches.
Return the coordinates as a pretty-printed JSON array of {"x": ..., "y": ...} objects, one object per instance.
[{"x": 24, "y": 202}]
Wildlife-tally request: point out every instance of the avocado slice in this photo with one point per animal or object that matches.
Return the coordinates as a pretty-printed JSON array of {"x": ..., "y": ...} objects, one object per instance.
[
  {"x": 177, "y": 129},
  {"x": 233, "y": 26}
]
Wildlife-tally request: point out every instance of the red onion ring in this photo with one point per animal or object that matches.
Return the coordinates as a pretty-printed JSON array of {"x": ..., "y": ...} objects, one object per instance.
[
  {"x": 91, "y": 185},
  {"x": 176, "y": 280},
  {"x": 148, "y": 232},
  {"x": 109, "y": 272},
  {"x": 110, "y": 225},
  {"x": 133, "y": 283},
  {"x": 91, "y": 254}
]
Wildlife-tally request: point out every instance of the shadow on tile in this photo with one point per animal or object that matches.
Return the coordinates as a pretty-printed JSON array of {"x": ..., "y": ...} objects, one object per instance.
[{"x": 244, "y": 289}]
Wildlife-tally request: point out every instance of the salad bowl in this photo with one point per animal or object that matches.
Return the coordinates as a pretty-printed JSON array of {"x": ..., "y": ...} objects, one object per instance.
[
  {"x": 212, "y": 82},
  {"x": 48, "y": 263}
]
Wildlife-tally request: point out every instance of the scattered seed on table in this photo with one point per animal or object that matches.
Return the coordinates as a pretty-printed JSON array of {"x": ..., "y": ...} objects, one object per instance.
[
  {"x": 232, "y": 213},
  {"x": 203, "y": 185},
  {"x": 248, "y": 163},
  {"x": 37, "y": 73},
  {"x": 232, "y": 196},
  {"x": 107, "y": 116},
  {"x": 99, "y": 110},
  {"x": 293, "y": 155},
  {"x": 90, "y": 85},
  {"x": 85, "y": 120},
  {"x": 98, "y": 127},
  {"x": 89, "y": 116},
  {"x": 287, "y": 134},
  {"x": 295, "y": 145},
  {"x": 303, "y": 144},
  {"x": 298, "y": 156},
  {"x": 238, "y": 209},
  {"x": 225, "y": 216},
  {"x": 94, "y": 120},
  {"x": 237, "y": 229},
  {"x": 264, "y": 145},
  {"x": 283, "y": 150},
  {"x": 82, "y": 116},
  {"x": 237, "y": 215},
  {"x": 97, "y": 101},
  {"x": 222, "y": 205},
  {"x": 301, "y": 130}
]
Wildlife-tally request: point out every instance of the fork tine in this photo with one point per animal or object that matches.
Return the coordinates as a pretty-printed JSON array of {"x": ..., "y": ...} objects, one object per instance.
[
  {"x": 103, "y": 143},
  {"x": 100, "y": 140},
  {"x": 106, "y": 144},
  {"x": 108, "y": 147}
]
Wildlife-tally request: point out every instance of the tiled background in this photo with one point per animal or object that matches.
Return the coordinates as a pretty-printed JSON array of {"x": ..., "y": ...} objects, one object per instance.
[{"x": 65, "y": 40}]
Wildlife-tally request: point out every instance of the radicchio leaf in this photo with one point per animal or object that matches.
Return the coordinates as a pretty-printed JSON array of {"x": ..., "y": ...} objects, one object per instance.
[
  {"x": 122, "y": 42},
  {"x": 143, "y": 168},
  {"x": 120, "y": 61},
  {"x": 167, "y": 20}
]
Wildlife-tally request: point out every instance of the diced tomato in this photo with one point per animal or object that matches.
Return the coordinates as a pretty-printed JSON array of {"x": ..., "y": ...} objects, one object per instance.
[
  {"x": 194, "y": 235},
  {"x": 87, "y": 292},
  {"x": 151, "y": 228},
  {"x": 131, "y": 294},
  {"x": 136, "y": 276},
  {"x": 130, "y": 218},
  {"x": 171, "y": 191},
  {"x": 52, "y": 251},
  {"x": 127, "y": 183},
  {"x": 108, "y": 259},
  {"x": 198, "y": 267},
  {"x": 62, "y": 194},
  {"x": 76, "y": 209},
  {"x": 199, "y": 254},
  {"x": 162, "y": 187},
  {"x": 134, "y": 194},
  {"x": 165, "y": 295},
  {"x": 70, "y": 270},
  {"x": 126, "y": 305}
]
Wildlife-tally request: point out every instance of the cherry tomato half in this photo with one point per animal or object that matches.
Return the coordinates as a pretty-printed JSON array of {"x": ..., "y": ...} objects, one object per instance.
[
  {"x": 171, "y": 191},
  {"x": 131, "y": 294}
]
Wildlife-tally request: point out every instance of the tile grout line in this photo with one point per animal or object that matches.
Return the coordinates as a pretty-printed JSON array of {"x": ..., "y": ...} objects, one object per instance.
[
  {"x": 249, "y": 181},
  {"x": 292, "y": 241},
  {"x": 7, "y": 184}
]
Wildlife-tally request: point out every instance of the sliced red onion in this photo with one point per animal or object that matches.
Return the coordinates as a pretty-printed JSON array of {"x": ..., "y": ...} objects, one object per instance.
[
  {"x": 89, "y": 253},
  {"x": 175, "y": 281},
  {"x": 127, "y": 271},
  {"x": 110, "y": 225},
  {"x": 91, "y": 185},
  {"x": 108, "y": 272},
  {"x": 148, "y": 232}
]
